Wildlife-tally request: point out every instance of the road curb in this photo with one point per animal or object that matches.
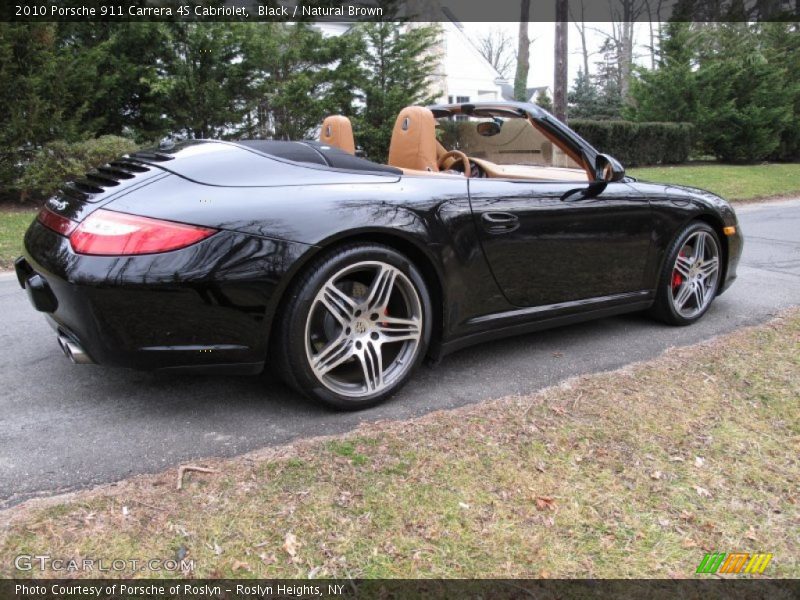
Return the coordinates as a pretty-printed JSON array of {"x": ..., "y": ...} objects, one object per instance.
[{"x": 770, "y": 202}]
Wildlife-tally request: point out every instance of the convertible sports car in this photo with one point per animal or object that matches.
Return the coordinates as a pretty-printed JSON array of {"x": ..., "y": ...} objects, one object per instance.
[{"x": 490, "y": 219}]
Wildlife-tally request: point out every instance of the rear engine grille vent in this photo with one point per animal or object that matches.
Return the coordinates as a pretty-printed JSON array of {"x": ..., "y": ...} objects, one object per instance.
[
  {"x": 148, "y": 155},
  {"x": 111, "y": 175},
  {"x": 82, "y": 189}
]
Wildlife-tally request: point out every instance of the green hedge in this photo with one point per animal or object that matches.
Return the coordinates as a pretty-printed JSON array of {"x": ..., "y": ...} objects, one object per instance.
[
  {"x": 60, "y": 161},
  {"x": 635, "y": 144}
]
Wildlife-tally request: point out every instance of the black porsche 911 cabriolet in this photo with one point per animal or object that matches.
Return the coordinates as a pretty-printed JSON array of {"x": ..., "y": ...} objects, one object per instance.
[{"x": 490, "y": 219}]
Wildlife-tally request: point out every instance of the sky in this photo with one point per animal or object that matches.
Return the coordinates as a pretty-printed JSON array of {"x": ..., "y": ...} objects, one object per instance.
[{"x": 543, "y": 36}]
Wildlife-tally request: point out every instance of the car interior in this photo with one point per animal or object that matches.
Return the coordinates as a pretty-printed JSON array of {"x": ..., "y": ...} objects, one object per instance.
[{"x": 485, "y": 146}]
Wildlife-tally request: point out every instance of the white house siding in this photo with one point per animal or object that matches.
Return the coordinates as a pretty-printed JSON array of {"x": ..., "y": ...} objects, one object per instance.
[{"x": 468, "y": 76}]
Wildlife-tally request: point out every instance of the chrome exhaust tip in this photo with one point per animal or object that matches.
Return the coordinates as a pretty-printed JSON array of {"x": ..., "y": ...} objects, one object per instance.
[{"x": 73, "y": 351}]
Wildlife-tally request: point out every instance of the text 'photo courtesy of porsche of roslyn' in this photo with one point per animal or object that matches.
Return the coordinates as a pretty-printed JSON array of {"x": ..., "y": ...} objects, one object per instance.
[{"x": 408, "y": 298}]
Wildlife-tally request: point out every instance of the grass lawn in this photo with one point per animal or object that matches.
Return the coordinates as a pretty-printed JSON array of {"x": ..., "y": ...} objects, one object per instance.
[
  {"x": 635, "y": 473},
  {"x": 13, "y": 224},
  {"x": 733, "y": 182}
]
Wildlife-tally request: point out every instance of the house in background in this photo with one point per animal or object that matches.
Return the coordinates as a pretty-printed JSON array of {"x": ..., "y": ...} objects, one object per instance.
[
  {"x": 466, "y": 75},
  {"x": 462, "y": 74}
]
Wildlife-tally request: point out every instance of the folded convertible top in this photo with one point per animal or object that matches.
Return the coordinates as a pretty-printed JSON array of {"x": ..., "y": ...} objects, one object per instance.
[{"x": 317, "y": 153}]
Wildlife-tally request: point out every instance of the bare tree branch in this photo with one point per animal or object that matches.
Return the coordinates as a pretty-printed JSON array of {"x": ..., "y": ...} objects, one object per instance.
[
  {"x": 580, "y": 25},
  {"x": 624, "y": 14},
  {"x": 497, "y": 47}
]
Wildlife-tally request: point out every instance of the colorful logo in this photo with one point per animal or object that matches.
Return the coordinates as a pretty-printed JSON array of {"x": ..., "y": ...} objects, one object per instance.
[{"x": 735, "y": 562}]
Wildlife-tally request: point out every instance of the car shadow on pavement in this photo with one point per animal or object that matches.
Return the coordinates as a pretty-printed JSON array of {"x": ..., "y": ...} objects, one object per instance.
[{"x": 517, "y": 365}]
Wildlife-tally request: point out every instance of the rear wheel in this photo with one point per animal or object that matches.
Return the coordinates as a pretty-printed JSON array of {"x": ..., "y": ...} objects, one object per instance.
[
  {"x": 691, "y": 275},
  {"x": 356, "y": 326}
]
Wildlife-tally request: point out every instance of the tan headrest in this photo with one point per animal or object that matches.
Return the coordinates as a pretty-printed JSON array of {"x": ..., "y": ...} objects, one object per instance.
[
  {"x": 337, "y": 131},
  {"x": 413, "y": 143}
]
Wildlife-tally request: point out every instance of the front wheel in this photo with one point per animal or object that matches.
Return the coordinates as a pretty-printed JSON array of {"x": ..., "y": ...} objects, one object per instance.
[
  {"x": 691, "y": 276},
  {"x": 355, "y": 327}
]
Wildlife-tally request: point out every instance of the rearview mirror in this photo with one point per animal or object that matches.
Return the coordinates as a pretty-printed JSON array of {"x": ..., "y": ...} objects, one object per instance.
[
  {"x": 607, "y": 168},
  {"x": 488, "y": 128}
]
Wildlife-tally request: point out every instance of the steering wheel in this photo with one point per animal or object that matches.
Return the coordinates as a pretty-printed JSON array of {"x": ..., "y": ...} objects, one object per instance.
[{"x": 454, "y": 154}]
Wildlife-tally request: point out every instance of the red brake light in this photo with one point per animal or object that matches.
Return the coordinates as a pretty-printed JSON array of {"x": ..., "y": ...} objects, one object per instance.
[
  {"x": 110, "y": 233},
  {"x": 54, "y": 222}
]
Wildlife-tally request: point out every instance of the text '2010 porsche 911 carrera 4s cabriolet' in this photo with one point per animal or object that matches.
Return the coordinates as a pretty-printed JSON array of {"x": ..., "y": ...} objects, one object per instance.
[{"x": 490, "y": 219}]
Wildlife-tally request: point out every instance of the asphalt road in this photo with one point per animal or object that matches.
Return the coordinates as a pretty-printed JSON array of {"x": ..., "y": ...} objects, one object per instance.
[{"x": 65, "y": 426}]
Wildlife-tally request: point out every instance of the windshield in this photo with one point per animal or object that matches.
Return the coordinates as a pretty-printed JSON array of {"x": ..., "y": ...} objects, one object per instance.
[{"x": 501, "y": 140}]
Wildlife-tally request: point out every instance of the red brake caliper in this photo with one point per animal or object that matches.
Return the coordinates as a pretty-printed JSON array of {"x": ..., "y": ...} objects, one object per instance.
[{"x": 677, "y": 278}]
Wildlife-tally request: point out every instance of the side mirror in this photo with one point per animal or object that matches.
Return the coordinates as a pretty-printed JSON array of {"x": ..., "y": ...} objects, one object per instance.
[
  {"x": 607, "y": 168},
  {"x": 488, "y": 128}
]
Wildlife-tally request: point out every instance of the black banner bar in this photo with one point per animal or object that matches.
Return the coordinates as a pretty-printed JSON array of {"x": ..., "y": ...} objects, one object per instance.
[
  {"x": 329, "y": 589},
  {"x": 407, "y": 10}
]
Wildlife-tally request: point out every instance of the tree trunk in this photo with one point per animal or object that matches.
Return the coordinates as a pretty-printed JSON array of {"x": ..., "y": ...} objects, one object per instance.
[
  {"x": 585, "y": 51},
  {"x": 560, "y": 74},
  {"x": 652, "y": 46},
  {"x": 580, "y": 25},
  {"x": 625, "y": 58},
  {"x": 654, "y": 20},
  {"x": 623, "y": 39},
  {"x": 523, "y": 54}
]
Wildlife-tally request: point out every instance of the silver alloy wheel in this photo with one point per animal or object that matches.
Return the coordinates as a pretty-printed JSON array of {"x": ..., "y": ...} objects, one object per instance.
[
  {"x": 363, "y": 329},
  {"x": 694, "y": 275}
]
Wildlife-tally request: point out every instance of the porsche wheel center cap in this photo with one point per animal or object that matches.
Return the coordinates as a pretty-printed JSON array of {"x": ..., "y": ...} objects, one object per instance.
[{"x": 360, "y": 327}]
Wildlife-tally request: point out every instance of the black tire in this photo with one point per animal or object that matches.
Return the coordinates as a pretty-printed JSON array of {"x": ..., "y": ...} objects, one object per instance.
[
  {"x": 664, "y": 308},
  {"x": 289, "y": 347}
]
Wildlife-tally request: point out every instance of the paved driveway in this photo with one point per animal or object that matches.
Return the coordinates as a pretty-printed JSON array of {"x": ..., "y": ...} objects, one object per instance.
[{"x": 64, "y": 426}]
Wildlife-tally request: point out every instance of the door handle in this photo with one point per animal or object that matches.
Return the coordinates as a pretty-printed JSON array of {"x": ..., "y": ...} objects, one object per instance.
[{"x": 499, "y": 222}]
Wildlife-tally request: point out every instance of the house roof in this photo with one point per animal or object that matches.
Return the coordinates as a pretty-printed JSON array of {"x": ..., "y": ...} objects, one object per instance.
[
  {"x": 459, "y": 29},
  {"x": 530, "y": 93}
]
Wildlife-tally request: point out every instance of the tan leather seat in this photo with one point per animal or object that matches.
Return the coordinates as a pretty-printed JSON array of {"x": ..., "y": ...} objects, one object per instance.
[
  {"x": 413, "y": 144},
  {"x": 337, "y": 131}
]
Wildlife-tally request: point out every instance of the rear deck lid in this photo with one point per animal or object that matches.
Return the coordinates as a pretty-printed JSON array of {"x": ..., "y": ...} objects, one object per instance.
[{"x": 261, "y": 163}]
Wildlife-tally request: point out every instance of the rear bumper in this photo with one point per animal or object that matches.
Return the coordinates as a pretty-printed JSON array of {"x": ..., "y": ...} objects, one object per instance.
[
  {"x": 207, "y": 307},
  {"x": 40, "y": 294}
]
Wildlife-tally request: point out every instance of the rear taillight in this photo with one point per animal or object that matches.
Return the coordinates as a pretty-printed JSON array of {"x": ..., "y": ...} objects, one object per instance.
[
  {"x": 110, "y": 233},
  {"x": 54, "y": 222}
]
